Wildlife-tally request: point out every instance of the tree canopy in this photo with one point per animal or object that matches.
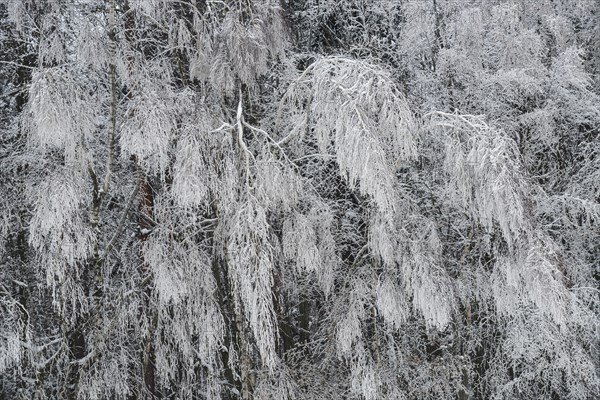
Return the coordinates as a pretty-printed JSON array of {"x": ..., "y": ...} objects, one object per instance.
[{"x": 315, "y": 199}]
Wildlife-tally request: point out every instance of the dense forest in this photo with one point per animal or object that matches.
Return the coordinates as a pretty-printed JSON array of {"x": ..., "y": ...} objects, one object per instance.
[{"x": 299, "y": 200}]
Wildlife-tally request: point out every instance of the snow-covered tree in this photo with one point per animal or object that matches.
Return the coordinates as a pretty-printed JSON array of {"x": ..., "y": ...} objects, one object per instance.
[{"x": 299, "y": 200}]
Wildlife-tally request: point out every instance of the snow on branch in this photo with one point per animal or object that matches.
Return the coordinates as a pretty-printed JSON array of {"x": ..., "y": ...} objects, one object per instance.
[
  {"x": 357, "y": 111},
  {"x": 58, "y": 229},
  {"x": 238, "y": 45},
  {"x": 485, "y": 173},
  {"x": 63, "y": 115},
  {"x": 194, "y": 178},
  {"x": 251, "y": 259},
  {"x": 149, "y": 126},
  {"x": 308, "y": 242}
]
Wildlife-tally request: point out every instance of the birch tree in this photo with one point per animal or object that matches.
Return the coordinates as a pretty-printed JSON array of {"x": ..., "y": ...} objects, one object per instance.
[{"x": 299, "y": 200}]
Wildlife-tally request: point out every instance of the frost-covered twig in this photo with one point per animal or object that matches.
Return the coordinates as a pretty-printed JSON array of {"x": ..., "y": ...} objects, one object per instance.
[{"x": 240, "y": 137}]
